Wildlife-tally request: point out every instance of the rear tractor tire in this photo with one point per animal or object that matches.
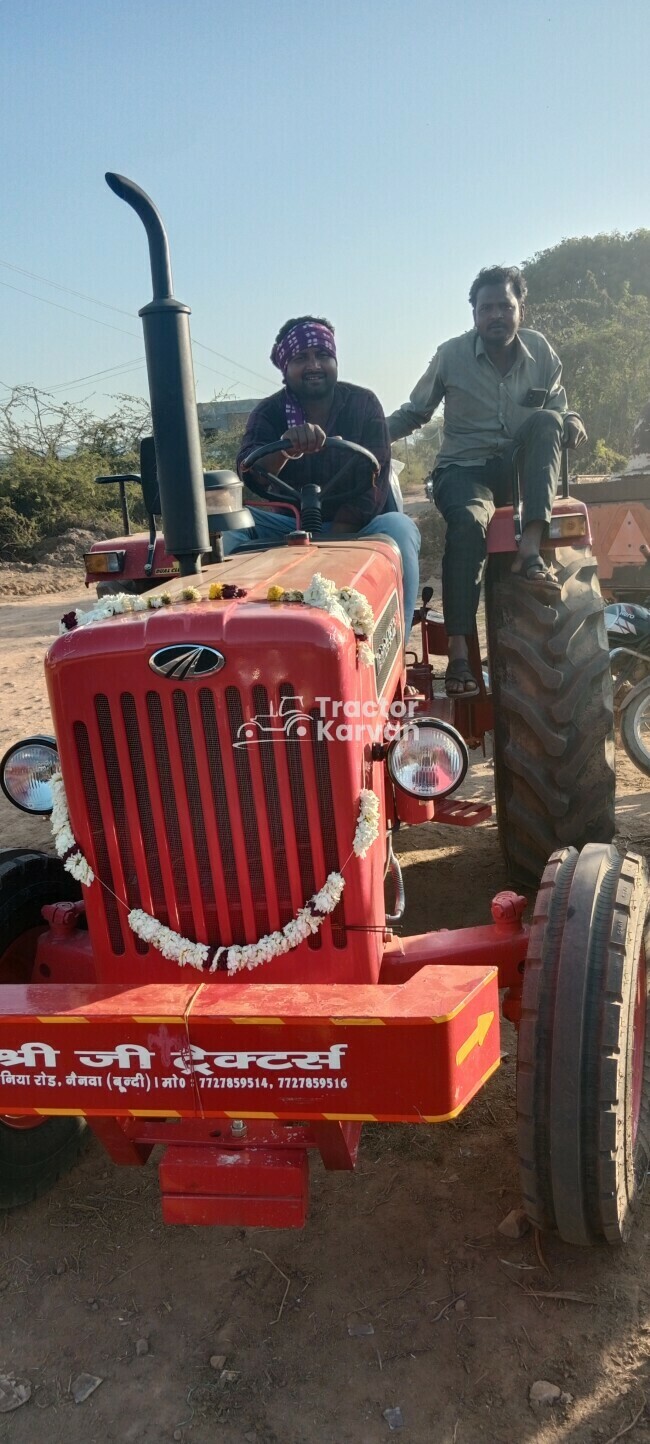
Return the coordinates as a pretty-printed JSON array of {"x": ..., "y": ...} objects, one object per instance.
[
  {"x": 583, "y": 1066},
  {"x": 33, "y": 1153},
  {"x": 553, "y": 713}
]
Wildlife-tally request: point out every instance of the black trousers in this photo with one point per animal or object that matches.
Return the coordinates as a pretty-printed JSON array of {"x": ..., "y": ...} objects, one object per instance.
[{"x": 467, "y": 497}]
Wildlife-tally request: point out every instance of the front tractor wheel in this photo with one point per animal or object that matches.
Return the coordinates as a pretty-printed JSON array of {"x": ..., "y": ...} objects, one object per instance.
[
  {"x": 583, "y": 1067},
  {"x": 553, "y": 713},
  {"x": 33, "y": 1153}
]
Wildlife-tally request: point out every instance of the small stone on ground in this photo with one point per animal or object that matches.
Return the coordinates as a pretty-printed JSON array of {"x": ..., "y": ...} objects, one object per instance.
[
  {"x": 542, "y": 1392},
  {"x": 83, "y": 1386},
  {"x": 515, "y": 1224},
  {"x": 13, "y": 1392}
]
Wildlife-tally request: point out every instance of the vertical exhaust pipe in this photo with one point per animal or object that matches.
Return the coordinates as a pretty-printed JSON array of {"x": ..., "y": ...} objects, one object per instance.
[{"x": 170, "y": 371}]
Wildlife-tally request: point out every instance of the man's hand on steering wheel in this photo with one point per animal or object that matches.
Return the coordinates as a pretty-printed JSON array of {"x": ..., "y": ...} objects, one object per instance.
[
  {"x": 303, "y": 440},
  {"x": 269, "y": 486}
]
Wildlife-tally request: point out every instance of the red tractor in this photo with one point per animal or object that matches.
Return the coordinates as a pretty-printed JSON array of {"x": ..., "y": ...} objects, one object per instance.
[{"x": 231, "y": 759}]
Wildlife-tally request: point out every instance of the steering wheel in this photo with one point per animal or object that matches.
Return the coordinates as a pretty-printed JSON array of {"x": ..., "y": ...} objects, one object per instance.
[{"x": 279, "y": 490}]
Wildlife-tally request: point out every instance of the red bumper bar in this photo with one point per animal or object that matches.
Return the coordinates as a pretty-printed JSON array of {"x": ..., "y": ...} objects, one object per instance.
[{"x": 416, "y": 1051}]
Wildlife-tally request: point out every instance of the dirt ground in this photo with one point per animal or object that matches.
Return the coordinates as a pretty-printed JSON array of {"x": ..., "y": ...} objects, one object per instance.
[{"x": 458, "y": 1320}]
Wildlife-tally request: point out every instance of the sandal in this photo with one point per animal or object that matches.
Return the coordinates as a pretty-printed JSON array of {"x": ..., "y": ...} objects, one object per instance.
[
  {"x": 535, "y": 573},
  {"x": 460, "y": 671}
]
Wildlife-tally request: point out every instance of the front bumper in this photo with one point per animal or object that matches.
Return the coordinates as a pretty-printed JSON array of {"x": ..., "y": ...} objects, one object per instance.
[{"x": 414, "y": 1051}]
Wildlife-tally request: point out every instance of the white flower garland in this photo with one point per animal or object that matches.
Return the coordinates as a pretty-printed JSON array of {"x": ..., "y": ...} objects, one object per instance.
[
  {"x": 121, "y": 602},
  {"x": 348, "y": 605},
  {"x": 178, "y": 949},
  {"x": 367, "y": 830},
  {"x": 307, "y": 921},
  {"x": 105, "y": 607},
  {"x": 64, "y": 842}
]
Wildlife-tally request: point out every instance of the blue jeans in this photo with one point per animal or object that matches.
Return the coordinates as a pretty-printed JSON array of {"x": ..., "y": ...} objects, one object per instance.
[{"x": 273, "y": 525}]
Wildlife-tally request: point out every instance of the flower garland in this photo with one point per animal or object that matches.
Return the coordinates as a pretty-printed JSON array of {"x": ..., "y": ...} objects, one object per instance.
[
  {"x": 178, "y": 949},
  {"x": 307, "y": 921},
  {"x": 348, "y": 605},
  {"x": 73, "y": 859},
  {"x": 122, "y": 602},
  {"x": 367, "y": 829}
]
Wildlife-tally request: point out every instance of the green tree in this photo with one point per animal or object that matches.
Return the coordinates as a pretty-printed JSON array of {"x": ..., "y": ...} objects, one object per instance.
[
  {"x": 586, "y": 265},
  {"x": 591, "y": 297},
  {"x": 51, "y": 453}
]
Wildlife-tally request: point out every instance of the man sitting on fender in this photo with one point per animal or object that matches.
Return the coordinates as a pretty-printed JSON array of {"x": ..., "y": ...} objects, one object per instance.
[
  {"x": 312, "y": 405},
  {"x": 502, "y": 389}
]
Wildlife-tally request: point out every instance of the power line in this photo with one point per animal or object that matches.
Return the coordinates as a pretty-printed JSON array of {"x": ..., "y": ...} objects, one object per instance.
[
  {"x": 119, "y": 311},
  {"x": 93, "y": 375},
  {"x": 234, "y": 380},
  {"x": 211, "y": 349},
  {"x": 81, "y": 295},
  {"x": 46, "y": 301}
]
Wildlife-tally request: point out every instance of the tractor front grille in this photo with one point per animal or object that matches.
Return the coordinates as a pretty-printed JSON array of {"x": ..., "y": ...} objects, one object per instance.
[{"x": 210, "y": 832}]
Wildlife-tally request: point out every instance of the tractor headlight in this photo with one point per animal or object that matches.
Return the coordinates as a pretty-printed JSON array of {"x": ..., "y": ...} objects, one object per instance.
[
  {"x": 567, "y": 523},
  {"x": 25, "y": 774},
  {"x": 98, "y": 563},
  {"x": 428, "y": 759}
]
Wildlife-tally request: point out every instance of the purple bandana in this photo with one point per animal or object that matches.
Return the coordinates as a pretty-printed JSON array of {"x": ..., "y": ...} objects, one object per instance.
[{"x": 304, "y": 337}]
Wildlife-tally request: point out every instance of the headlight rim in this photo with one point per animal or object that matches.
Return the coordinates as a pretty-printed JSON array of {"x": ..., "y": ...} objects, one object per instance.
[
  {"x": 442, "y": 726},
  {"x": 40, "y": 739}
]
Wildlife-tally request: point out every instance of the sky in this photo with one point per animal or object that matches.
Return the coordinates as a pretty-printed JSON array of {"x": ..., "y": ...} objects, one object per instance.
[{"x": 357, "y": 159}]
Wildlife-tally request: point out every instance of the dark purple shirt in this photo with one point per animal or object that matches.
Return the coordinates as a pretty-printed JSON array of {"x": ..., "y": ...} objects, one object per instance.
[{"x": 356, "y": 415}]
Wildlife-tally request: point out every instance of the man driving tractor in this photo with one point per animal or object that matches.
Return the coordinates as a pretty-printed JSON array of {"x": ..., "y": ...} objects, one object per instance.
[
  {"x": 312, "y": 406},
  {"x": 502, "y": 389}
]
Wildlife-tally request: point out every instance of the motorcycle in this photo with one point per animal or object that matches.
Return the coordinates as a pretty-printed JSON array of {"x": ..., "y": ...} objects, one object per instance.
[{"x": 628, "y": 634}]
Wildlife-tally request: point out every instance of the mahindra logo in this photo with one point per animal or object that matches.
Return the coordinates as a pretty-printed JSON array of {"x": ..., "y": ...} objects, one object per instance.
[{"x": 180, "y": 663}]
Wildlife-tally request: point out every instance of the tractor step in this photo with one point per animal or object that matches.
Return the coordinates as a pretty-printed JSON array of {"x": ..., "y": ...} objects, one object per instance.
[
  {"x": 461, "y": 812},
  {"x": 236, "y": 1187}
]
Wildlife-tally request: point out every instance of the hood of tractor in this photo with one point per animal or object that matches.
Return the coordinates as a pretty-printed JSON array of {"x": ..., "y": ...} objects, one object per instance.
[{"x": 213, "y": 752}]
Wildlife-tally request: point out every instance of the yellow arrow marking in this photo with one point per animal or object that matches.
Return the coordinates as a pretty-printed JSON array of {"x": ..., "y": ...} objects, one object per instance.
[{"x": 476, "y": 1039}]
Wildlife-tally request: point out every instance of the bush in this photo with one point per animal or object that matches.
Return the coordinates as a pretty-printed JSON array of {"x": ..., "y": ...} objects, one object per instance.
[
  {"x": 16, "y": 532},
  {"x": 605, "y": 459}
]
